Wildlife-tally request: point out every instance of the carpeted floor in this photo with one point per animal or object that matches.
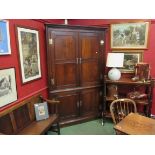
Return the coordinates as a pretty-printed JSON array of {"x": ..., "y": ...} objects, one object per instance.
[{"x": 89, "y": 128}]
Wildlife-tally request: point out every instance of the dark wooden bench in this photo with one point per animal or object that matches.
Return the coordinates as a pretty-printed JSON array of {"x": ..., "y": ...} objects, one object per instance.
[{"x": 20, "y": 119}]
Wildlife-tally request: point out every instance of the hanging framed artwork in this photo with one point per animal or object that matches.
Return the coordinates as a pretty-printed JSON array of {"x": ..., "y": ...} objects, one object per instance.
[
  {"x": 4, "y": 38},
  {"x": 129, "y": 35},
  {"x": 8, "y": 91},
  {"x": 29, "y": 52},
  {"x": 131, "y": 58}
]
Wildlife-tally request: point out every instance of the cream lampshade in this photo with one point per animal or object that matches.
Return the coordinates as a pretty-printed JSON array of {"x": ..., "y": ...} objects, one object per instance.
[{"x": 115, "y": 60}]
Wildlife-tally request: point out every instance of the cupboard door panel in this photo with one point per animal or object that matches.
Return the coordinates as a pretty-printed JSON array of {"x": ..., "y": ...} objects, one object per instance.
[
  {"x": 65, "y": 47},
  {"x": 65, "y": 76},
  {"x": 89, "y": 100},
  {"x": 68, "y": 105},
  {"x": 89, "y": 58},
  {"x": 89, "y": 46},
  {"x": 90, "y": 74},
  {"x": 63, "y": 59}
]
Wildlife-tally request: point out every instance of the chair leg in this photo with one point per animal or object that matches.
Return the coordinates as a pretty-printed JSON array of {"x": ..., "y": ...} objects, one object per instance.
[
  {"x": 46, "y": 133},
  {"x": 58, "y": 128},
  {"x": 103, "y": 119},
  {"x": 145, "y": 109},
  {"x": 149, "y": 111},
  {"x": 55, "y": 128}
]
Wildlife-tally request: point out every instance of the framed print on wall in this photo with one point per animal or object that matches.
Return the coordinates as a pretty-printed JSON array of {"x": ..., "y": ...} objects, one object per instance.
[
  {"x": 8, "y": 92},
  {"x": 129, "y": 35},
  {"x": 130, "y": 60},
  {"x": 28, "y": 43},
  {"x": 4, "y": 38}
]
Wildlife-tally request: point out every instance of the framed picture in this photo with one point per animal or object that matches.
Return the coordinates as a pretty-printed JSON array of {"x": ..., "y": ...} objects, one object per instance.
[
  {"x": 130, "y": 60},
  {"x": 129, "y": 35},
  {"x": 28, "y": 43},
  {"x": 41, "y": 111},
  {"x": 8, "y": 92},
  {"x": 142, "y": 71},
  {"x": 4, "y": 38}
]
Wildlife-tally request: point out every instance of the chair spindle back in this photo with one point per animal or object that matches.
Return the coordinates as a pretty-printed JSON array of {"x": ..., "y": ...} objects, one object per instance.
[{"x": 120, "y": 108}]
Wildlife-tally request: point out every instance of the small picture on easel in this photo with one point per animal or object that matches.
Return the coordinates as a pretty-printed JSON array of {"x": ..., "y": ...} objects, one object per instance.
[
  {"x": 142, "y": 71},
  {"x": 41, "y": 111}
]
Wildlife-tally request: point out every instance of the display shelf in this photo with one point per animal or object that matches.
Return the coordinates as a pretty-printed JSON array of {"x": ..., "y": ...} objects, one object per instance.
[{"x": 120, "y": 89}]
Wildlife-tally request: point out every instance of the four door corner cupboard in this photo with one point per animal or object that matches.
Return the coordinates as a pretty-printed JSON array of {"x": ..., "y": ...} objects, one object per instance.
[{"x": 75, "y": 60}]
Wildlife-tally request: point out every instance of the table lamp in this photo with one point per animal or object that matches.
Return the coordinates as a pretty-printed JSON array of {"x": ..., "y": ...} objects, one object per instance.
[{"x": 115, "y": 60}]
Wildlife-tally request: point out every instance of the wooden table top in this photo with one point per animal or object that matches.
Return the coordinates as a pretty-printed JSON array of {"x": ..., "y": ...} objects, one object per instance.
[{"x": 135, "y": 124}]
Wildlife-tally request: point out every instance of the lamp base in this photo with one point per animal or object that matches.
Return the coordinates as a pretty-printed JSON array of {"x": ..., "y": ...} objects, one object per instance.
[{"x": 114, "y": 74}]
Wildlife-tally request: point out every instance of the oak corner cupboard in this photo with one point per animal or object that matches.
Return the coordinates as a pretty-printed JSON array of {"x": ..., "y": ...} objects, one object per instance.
[{"x": 75, "y": 60}]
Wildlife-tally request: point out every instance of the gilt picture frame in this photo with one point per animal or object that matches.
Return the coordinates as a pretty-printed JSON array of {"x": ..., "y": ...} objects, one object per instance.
[
  {"x": 5, "y": 48},
  {"x": 131, "y": 58},
  {"x": 129, "y": 35},
  {"x": 8, "y": 90},
  {"x": 29, "y": 54}
]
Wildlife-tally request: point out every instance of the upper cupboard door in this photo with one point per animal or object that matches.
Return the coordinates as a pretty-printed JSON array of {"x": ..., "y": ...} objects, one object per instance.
[
  {"x": 64, "y": 71},
  {"x": 90, "y": 53}
]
